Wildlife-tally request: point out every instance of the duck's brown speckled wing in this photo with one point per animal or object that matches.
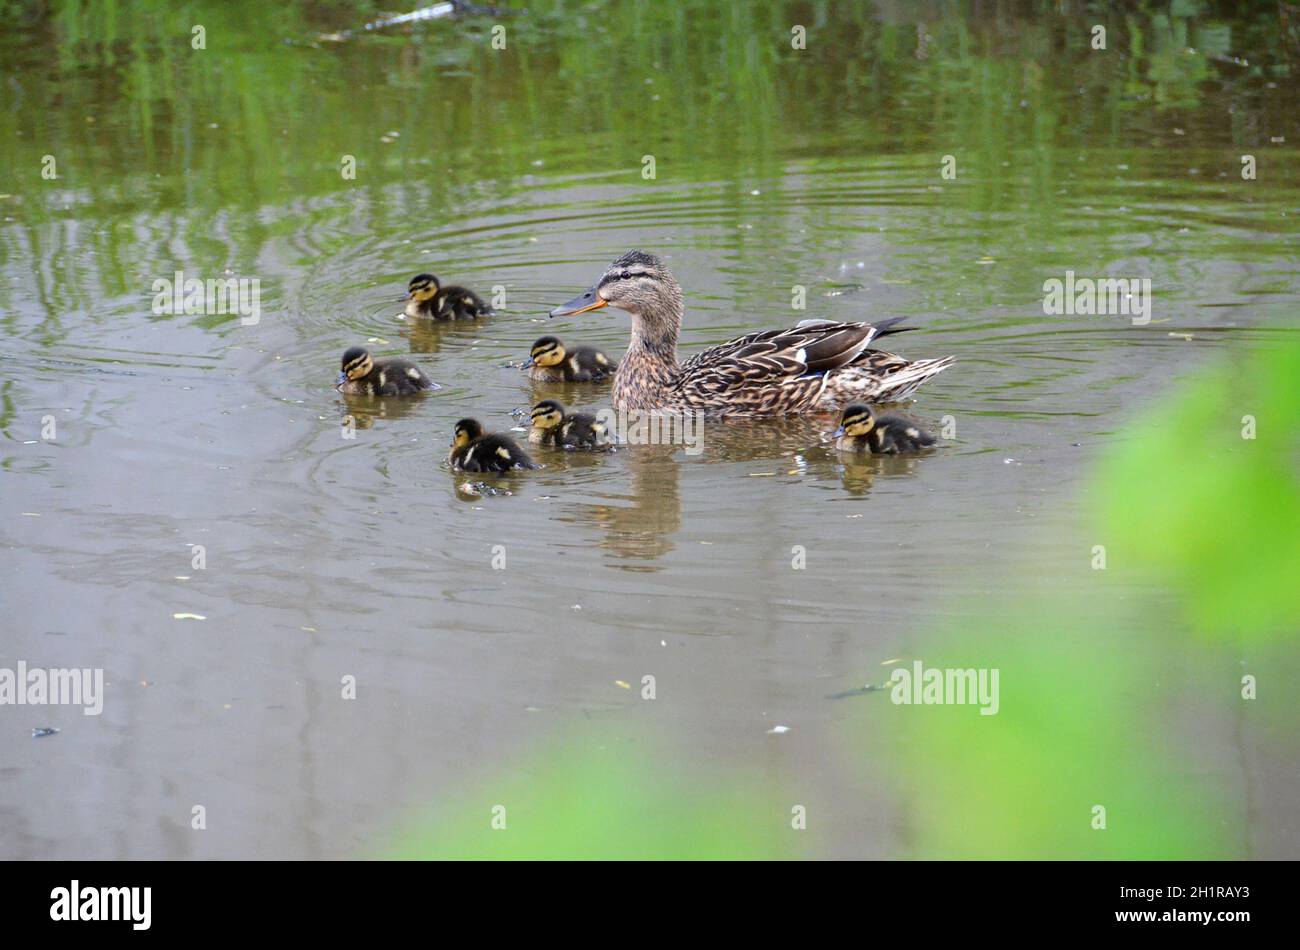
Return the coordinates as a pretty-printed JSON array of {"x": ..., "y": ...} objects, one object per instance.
[{"x": 782, "y": 369}]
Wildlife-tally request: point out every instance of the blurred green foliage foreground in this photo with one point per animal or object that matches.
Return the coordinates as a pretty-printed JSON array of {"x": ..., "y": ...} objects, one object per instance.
[{"x": 1197, "y": 506}]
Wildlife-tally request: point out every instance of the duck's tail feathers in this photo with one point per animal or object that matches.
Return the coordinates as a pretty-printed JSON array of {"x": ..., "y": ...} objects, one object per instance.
[
  {"x": 886, "y": 327},
  {"x": 900, "y": 385}
]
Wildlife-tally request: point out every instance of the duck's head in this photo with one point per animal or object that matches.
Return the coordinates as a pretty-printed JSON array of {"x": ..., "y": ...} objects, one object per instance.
[
  {"x": 356, "y": 364},
  {"x": 547, "y": 351},
  {"x": 547, "y": 414},
  {"x": 422, "y": 287},
  {"x": 856, "y": 422},
  {"x": 637, "y": 282},
  {"x": 466, "y": 431}
]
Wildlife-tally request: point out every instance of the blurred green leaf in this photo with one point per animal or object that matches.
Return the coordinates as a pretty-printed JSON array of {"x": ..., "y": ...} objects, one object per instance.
[
  {"x": 1072, "y": 733},
  {"x": 1217, "y": 515},
  {"x": 604, "y": 799}
]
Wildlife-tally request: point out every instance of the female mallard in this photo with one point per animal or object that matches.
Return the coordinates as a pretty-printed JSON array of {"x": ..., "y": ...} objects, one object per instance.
[
  {"x": 550, "y": 362},
  {"x": 816, "y": 366},
  {"x": 473, "y": 450},
  {"x": 862, "y": 430},
  {"x": 426, "y": 298},
  {"x": 363, "y": 375},
  {"x": 552, "y": 424}
]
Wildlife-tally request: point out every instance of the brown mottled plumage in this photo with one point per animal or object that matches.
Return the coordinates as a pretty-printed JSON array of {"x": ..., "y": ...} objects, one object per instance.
[{"x": 815, "y": 366}]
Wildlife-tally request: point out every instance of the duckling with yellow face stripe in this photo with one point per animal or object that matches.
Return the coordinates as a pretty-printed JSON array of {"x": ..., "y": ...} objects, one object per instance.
[
  {"x": 363, "y": 375},
  {"x": 426, "y": 298},
  {"x": 473, "y": 450},
  {"x": 552, "y": 424},
  {"x": 550, "y": 361},
  {"x": 861, "y": 430}
]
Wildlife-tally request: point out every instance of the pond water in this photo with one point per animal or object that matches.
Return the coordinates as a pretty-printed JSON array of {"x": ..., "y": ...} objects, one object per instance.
[{"x": 524, "y": 169}]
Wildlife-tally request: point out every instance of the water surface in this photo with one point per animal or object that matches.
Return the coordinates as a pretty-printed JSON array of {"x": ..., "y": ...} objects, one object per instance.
[{"x": 522, "y": 168}]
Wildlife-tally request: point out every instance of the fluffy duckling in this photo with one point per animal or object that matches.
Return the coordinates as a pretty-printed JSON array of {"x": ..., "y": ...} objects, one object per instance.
[
  {"x": 550, "y": 362},
  {"x": 473, "y": 450},
  {"x": 862, "y": 430},
  {"x": 427, "y": 298},
  {"x": 555, "y": 425},
  {"x": 363, "y": 375}
]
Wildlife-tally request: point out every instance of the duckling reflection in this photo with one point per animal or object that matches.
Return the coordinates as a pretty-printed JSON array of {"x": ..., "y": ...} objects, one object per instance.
[
  {"x": 360, "y": 412},
  {"x": 431, "y": 336},
  {"x": 857, "y": 474}
]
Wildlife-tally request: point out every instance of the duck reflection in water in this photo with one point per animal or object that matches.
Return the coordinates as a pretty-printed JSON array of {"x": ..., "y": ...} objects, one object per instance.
[{"x": 637, "y": 527}]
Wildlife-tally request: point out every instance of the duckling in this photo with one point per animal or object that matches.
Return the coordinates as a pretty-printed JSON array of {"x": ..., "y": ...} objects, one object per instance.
[
  {"x": 363, "y": 375},
  {"x": 550, "y": 362},
  {"x": 473, "y": 450},
  {"x": 427, "y": 298},
  {"x": 555, "y": 425},
  {"x": 861, "y": 430}
]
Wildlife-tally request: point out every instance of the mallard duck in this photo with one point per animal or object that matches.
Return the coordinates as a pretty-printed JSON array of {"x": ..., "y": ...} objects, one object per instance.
[
  {"x": 552, "y": 424},
  {"x": 862, "y": 430},
  {"x": 817, "y": 365},
  {"x": 427, "y": 298},
  {"x": 549, "y": 361},
  {"x": 363, "y": 375},
  {"x": 473, "y": 450}
]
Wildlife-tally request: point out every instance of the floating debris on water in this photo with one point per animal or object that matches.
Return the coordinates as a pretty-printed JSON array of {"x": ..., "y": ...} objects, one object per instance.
[
  {"x": 860, "y": 691},
  {"x": 39, "y": 732},
  {"x": 188, "y": 617}
]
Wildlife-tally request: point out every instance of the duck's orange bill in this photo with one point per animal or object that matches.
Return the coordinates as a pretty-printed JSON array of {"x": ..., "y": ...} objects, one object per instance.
[{"x": 587, "y": 300}]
